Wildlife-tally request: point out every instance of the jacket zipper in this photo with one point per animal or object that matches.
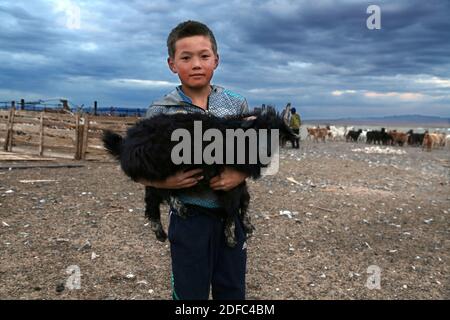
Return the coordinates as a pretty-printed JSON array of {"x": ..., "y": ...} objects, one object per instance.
[{"x": 193, "y": 105}]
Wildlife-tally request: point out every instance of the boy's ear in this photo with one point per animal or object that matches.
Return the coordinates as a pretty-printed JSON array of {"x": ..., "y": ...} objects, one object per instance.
[
  {"x": 171, "y": 64},
  {"x": 217, "y": 61}
]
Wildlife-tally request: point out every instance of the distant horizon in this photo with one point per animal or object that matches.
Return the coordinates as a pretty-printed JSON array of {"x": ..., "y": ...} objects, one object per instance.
[
  {"x": 382, "y": 117},
  {"x": 299, "y": 110},
  {"x": 396, "y": 121}
]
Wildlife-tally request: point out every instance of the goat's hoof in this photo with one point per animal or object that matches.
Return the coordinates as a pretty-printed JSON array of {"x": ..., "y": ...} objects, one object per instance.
[
  {"x": 231, "y": 242},
  {"x": 161, "y": 236},
  {"x": 158, "y": 230},
  {"x": 248, "y": 230}
]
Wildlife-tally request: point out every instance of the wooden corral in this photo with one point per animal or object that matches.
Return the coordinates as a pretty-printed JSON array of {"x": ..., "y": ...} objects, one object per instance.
[{"x": 75, "y": 136}]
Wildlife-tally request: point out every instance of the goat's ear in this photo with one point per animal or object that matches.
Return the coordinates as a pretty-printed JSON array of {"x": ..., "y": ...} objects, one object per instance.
[{"x": 246, "y": 124}]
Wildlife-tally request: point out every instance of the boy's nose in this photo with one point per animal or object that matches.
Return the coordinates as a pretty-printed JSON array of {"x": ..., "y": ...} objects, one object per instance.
[{"x": 196, "y": 63}]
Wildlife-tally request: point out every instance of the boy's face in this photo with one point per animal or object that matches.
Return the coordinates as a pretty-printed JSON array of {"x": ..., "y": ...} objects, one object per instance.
[{"x": 194, "y": 61}]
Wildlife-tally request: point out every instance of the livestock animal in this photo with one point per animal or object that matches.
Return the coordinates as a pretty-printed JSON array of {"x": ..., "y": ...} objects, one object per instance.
[
  {"x": 415, "y": 139},
  {"x": 397, "y": 137},
  {"x": 353, "y": 135},
  {"x": 347, "y": 129},
  {"x": 337, "y": 133},
  {"x": 146, "y": 153},
  {"x": 431, "y": 140},
  {"x": 363, "y": 136},
  {"x": 318, "y": 133},
  {"x": 378, "y": 137}
]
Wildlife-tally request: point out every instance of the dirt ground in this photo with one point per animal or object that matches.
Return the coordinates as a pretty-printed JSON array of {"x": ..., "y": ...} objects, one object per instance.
[{"x": 343, "y": 214}]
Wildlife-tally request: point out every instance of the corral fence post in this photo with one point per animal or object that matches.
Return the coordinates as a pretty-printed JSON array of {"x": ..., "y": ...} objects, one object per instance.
[
  {"x": 84, "y": 143},
  {"x": 78, "y": 135},
  {"x": 5, "y": 145},
  {"x": 9, "y": 128},
  {"x": 41, "y": 135}
]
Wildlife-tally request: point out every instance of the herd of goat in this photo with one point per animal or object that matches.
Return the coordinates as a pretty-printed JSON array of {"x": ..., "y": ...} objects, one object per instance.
[{"x": 393, "y": 137}]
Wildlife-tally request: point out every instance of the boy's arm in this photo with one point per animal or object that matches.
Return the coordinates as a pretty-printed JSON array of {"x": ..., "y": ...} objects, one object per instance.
[
  {"x": 180, "y": 180},
  {"x": 227, "y": 179}
]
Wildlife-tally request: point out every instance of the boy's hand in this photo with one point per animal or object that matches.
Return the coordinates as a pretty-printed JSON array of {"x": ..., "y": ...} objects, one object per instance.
[
  {"x": 179, "y": 180},
  {"x": 227, "y": 180}
]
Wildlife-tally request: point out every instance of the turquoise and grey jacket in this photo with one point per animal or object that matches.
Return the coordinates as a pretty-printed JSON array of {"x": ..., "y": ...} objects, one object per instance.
[{"x": 221, "y": 102}]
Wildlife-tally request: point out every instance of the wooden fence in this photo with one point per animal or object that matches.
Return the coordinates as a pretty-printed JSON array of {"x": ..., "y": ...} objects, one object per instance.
[{"x": 75, "y": 136}]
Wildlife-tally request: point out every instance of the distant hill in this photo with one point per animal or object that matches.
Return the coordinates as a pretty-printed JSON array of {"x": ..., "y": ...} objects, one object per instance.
[{"x": 412, "y": 120}]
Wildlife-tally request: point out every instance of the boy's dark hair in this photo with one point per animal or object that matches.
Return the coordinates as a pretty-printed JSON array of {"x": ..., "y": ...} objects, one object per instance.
[{"x": 188, "y": 29}]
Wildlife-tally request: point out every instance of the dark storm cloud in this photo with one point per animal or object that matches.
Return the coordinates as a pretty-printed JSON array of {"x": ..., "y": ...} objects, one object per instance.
[
  {"x": 411, "y": 30},
  {"x": 317, "y": 54}
]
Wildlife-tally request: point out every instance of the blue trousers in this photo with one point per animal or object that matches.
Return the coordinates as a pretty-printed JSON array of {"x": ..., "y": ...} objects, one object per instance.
[{"x": 201, "y": 260}]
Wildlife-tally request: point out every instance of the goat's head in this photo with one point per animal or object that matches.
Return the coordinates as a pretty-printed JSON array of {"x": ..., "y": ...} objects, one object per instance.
[{"x": 271, "y": 121}]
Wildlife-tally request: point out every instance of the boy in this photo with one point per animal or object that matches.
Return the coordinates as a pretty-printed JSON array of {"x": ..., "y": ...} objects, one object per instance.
[{"x": 200, "y": 257}]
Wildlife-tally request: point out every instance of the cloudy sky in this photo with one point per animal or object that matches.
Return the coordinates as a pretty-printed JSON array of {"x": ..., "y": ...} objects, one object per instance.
[{"x": 319, "y": 55}]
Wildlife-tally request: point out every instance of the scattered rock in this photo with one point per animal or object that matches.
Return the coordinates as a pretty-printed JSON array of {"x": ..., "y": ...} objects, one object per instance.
[
  {"x": 286, "y": 213},
  {"x": 87, "y": 245},
  {"x": 60, "y": 287}
]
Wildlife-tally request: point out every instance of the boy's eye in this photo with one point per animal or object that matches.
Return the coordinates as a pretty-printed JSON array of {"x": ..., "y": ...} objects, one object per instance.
[{"x": 184, "y": 58}]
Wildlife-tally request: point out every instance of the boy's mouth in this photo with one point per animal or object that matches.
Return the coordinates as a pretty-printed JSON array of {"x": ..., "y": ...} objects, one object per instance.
[{"x": 197, "y": 75}]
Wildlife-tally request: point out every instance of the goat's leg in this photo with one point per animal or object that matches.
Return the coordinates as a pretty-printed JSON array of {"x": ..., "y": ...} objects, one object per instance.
[
  {"x": 152, "y": 212},
  {"x": 230, "y": 201},
  {"x": 244, "y": 215}
]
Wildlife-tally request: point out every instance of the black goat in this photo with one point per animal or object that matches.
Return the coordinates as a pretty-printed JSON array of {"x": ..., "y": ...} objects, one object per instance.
[
  {"x": 415, "y": 139},
  {"x": 378, "y": 137},
  {"x": 353, "y": 135},
  {"x": 146, "y": 153}
]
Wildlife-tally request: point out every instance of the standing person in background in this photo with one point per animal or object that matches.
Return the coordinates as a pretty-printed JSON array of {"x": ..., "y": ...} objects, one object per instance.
[{"x": 295, "y": 124}]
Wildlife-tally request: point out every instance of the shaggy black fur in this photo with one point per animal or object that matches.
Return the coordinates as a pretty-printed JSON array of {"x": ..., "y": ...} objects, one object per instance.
[
  {"x": 379, "y": 137},
  {"x": 353, "y": 135},
  {"x": 145, "y": 153},
  {"x": 415, "y": 139}
]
